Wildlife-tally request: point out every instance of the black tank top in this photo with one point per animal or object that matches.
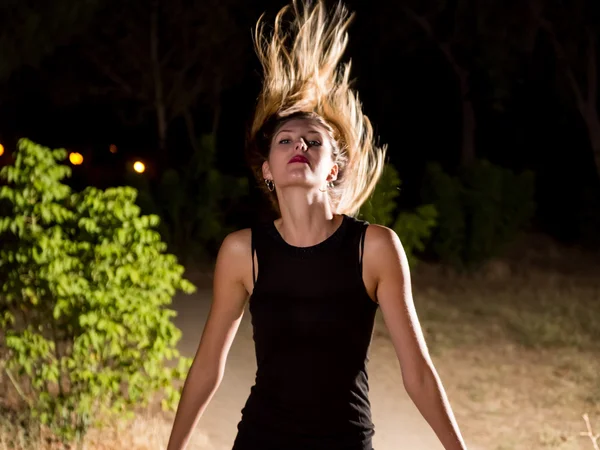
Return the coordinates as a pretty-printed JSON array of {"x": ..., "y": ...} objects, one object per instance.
[{"x": 312, "y": 322}]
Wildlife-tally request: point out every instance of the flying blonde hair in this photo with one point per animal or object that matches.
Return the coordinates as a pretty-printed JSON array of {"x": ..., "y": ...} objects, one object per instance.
[{"x": 304, "y": 77}]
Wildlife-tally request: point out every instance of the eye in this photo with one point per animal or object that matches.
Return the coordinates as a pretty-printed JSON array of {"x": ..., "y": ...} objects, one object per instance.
[
  {"x": 284, "y": 141},
  {"x": 314, "y": 143}
]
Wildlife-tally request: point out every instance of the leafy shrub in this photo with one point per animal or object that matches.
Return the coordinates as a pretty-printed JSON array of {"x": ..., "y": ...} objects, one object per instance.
[
  {"x": 480, "y": 211},
  {"x": 193, "y": 202},
  {"x": 413, "y": 228},
  {"x": 85, "y": 287}
]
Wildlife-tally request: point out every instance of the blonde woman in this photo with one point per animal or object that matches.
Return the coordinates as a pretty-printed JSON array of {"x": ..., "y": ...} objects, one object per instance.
[{"x": 315, "y": 276}]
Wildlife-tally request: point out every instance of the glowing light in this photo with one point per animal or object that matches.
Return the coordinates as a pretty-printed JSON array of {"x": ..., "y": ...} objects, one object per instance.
[
  {"x": 75, "y": 158},
  {"x": 1, "y": 149},
  {"x": 112, "y": 148},
  {"x": 139, "y": 167}
]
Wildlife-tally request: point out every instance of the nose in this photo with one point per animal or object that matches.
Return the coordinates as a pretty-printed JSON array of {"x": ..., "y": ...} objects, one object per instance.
[{"x": 301, "y": 145}]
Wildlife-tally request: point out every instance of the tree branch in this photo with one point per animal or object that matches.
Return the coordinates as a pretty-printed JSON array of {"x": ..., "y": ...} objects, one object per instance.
[
  {"x": 159, "y": 100},
  {"x": 444, "y": 47},
  {"x": 535, "y": 9},
  {"x": 177, "y": 83},
  {"x": 590, "y": 433},
  {"x": 15, "y": 384},
  {"x": 116, "y": 79},
  {"x": 191, "y": 130},
  {"x": 562, "y": 57},
  {"x": 592, "y": 72}
]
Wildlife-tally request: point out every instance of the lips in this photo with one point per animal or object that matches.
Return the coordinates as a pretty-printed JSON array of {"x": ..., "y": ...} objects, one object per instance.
[{"x": 298, "y": 159}]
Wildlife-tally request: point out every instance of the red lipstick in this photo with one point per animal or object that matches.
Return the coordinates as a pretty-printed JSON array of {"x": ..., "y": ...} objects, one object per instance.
[{"x": 298, "y": 159}]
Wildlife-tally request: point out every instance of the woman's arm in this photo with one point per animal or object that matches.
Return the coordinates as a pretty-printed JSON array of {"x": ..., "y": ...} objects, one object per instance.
[
  {"x": 384, "y": 257},
  {"x": 227, "y": 308}
]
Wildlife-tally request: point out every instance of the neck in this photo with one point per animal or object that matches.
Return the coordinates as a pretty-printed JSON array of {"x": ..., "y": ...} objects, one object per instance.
[{"x": 306, "y": 222}]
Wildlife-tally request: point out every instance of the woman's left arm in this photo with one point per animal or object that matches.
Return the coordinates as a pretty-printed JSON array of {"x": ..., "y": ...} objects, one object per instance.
[{"x": 385, "y": 259}]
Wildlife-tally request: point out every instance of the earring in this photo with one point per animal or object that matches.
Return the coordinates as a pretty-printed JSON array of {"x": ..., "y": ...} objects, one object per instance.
[
  {"x": 270, "y": 185},
  {"x": 328, "y": 186}
]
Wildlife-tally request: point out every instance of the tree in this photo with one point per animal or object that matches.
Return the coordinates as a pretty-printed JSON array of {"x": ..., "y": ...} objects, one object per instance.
[
  {"x": 476, "y": 40},
  {"x": 165, "y": 57},
  {"x": 413, "y": 227},
  {"x": 573, "y": 29},
  {"x": 452, "y": 28},
  {"x": 31, "y": 31},
  {"x": 84, "y": 299}
]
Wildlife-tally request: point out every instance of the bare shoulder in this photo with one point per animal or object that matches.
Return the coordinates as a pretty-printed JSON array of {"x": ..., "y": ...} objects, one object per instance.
[
  {"x": 384, "y": 251},
  {"x": 237, "y": 242},
  {"x": 380, "y": 236},
  {"x": 234, "y": 260},
  {"x": 381, "y": 240}
]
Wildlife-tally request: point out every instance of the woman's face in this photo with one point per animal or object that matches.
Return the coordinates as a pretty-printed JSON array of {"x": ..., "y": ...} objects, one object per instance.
[{"x": 301, "y": 155}]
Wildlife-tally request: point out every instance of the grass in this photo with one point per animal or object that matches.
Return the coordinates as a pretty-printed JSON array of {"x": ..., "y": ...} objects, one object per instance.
[
  {"x": 145, "y": 432},
  {"x": 522, "y": 310},
  {"x": 517, "y": 346}
]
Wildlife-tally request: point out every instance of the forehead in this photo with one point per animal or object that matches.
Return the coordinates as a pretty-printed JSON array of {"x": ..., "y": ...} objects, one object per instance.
[{"x": 302, "y": 125}]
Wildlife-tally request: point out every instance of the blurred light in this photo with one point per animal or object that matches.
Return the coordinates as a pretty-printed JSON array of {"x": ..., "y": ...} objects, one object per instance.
[
  {"x": 113, "y": 148},
  {"x": 139, "y": 167},
  {"x": 75, "y": 158},
  {"x": 1, "y": 149}
]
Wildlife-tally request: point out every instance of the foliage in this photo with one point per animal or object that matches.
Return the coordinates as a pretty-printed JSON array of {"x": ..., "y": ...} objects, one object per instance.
[
  {"x": 413, "y": 228},
  {"x": 29, "y": 32},
  {"x": 480, "y": 211},
  {"x": 86, "y": 283},
  {"x": 193, "y": 202}
]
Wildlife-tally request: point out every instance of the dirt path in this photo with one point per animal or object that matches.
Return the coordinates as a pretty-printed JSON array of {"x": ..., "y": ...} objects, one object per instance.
[{"x": 398, "y": 423}]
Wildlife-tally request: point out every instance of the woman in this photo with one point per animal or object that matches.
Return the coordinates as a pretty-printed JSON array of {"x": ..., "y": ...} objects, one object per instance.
[{"x": 316, "y": 275}]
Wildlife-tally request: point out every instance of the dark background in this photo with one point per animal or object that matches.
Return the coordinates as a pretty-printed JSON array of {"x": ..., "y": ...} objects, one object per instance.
[{"x": 73, "y": 73}]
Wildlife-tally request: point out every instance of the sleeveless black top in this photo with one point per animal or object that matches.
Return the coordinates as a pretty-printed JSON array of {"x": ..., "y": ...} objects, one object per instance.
[{"x": 313, "y": 322}]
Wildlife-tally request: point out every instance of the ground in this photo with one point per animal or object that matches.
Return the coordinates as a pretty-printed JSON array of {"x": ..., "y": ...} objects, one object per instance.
[
  {"x": 506, "y": 394},
  {"x": 517, "y": 346}
]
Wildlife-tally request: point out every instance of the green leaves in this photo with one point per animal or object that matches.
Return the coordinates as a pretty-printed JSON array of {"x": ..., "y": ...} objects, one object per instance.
[
  {"x": 85, "y": 296},
  {"x": 413, "y": 228},
  {"x": 480, "y": 211}
]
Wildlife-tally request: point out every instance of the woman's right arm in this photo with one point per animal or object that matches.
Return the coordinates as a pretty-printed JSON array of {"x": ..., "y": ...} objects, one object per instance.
[{"x": 224, "y": 317}]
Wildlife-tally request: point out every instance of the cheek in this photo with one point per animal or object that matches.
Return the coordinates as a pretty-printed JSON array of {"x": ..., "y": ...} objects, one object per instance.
[
  {"x": 277, "y": 159},
  {"x": 275, "y": 154},
  {"x": 325, "y": 159}
]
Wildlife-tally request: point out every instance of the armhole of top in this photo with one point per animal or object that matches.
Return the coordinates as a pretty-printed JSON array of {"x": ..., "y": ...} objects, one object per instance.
[
  {"x": 363, "y": 233},
  {"x": 253, "y": 246}
]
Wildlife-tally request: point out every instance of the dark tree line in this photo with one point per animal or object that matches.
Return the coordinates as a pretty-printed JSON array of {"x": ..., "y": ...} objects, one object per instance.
[{"x": 175, "y": 69}]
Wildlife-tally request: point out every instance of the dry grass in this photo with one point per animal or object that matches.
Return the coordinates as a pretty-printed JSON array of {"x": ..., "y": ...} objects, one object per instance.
[
  {"x": 145, "y": 432},
  {"x": 517, "y": 346}
]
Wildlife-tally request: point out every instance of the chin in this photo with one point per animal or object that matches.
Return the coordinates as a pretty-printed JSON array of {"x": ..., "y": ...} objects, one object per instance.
[{"x": 299, "y": 183}]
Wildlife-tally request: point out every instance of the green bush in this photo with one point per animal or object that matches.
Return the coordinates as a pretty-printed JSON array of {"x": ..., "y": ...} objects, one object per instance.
[
  {"x": 480, "y": 211},
  {"x": 86, "y": 285},
  {"x": 193, "y": 202},
  {"x": 413, "y": 228}
]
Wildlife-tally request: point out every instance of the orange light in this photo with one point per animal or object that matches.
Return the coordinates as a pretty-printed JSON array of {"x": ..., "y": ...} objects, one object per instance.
[
  {"x": 112, "y": 148},
  {"x": 1, "y": 149},
  {"x": 75, "y": 158},
  {"x": 139, "y": 167}
]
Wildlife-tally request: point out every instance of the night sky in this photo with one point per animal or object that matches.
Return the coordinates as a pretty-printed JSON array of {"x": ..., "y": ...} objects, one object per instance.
[{"x": 526, "y": 114}]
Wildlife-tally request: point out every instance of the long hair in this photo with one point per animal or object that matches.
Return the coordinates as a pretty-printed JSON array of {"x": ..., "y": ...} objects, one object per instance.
[{"x": 304, "y": 77}]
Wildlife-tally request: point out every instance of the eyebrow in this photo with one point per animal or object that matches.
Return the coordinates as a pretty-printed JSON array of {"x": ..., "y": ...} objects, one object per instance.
[{"x": 309, "y": 132}]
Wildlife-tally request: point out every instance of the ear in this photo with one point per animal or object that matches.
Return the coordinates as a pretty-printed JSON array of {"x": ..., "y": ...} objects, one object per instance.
[
  {"x": 333, "y": 173},
  {"x": 266, "y": 170}
]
